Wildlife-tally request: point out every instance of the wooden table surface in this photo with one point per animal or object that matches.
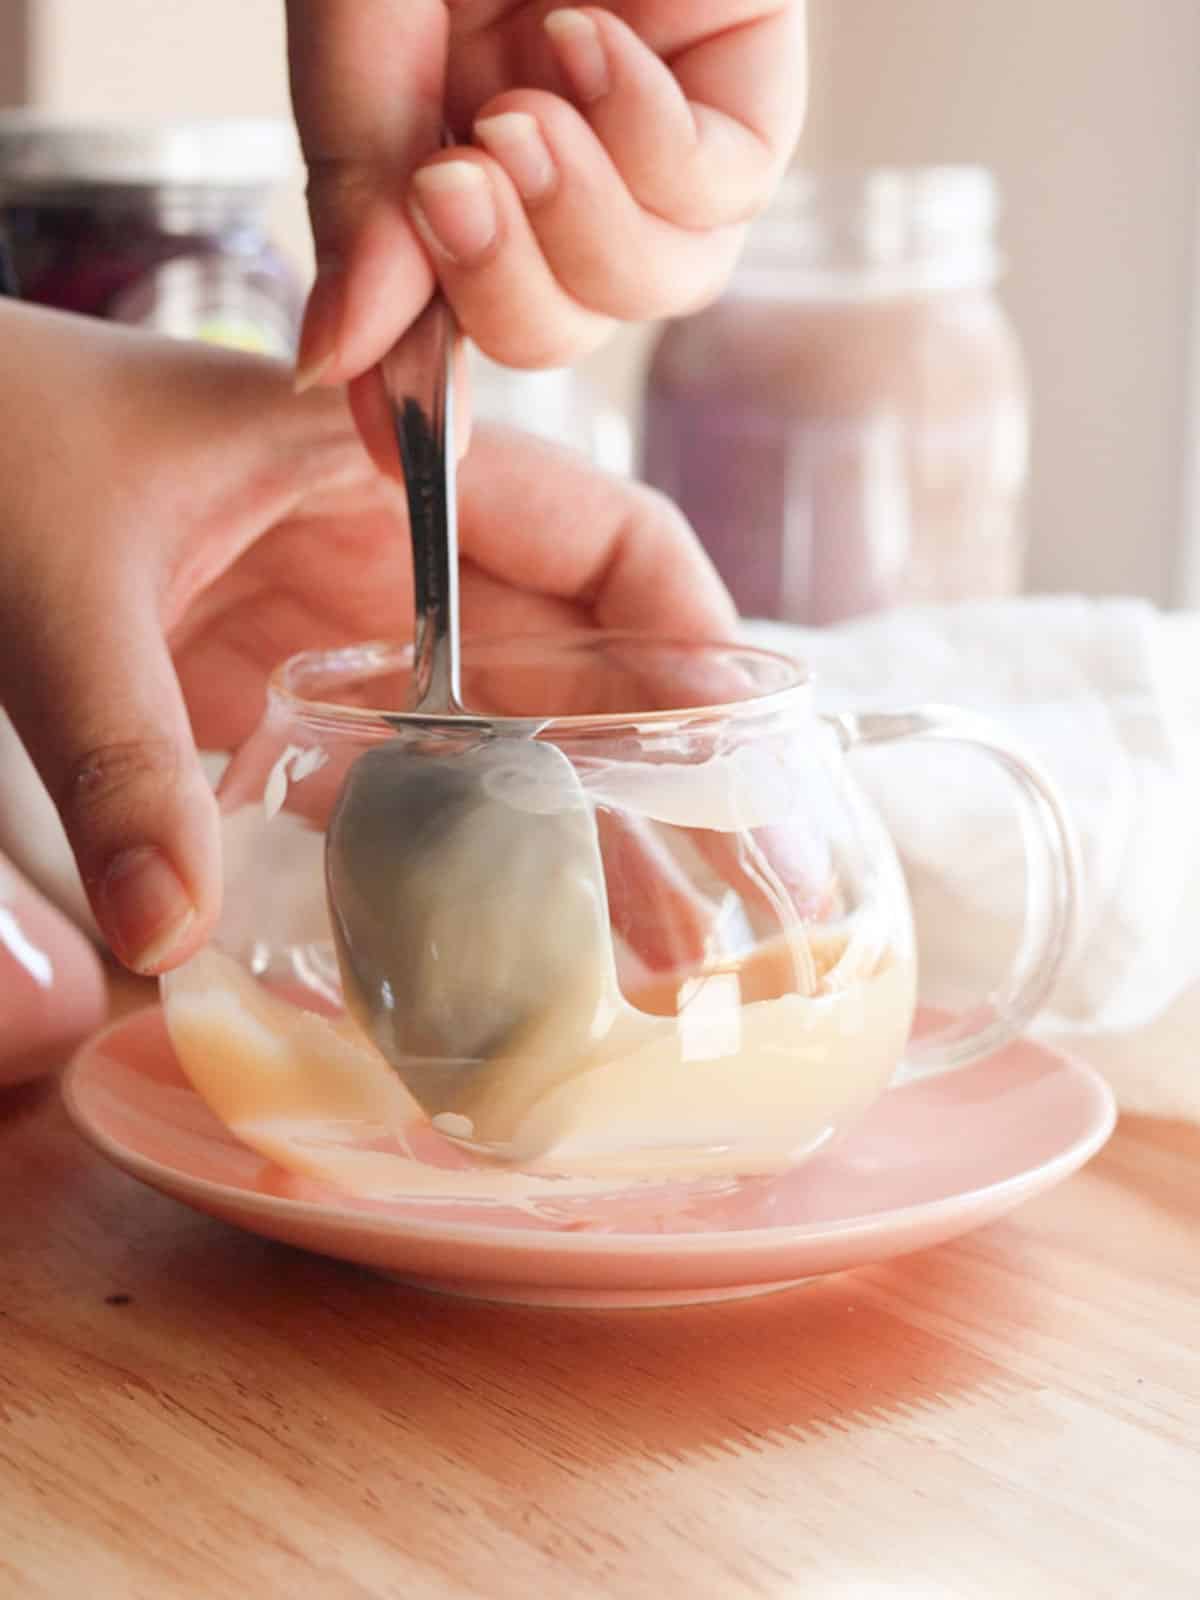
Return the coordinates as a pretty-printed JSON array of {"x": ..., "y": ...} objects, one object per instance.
[{"x": 189, "y": 1411}]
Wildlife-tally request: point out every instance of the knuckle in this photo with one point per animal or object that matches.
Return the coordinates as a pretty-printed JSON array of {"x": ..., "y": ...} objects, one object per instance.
[
  {"x": 650, "y": 279},
  {"x": 550, "y": 109},
  {"x": 699, "y": 194},
  {"x": 660, "y": 513},
  {"x": 337, "y": 193},
  {"x": 538, "y": 348},
  {"x": 714, "y": 267},
  {"x": 332, "y": 175},
  {"x": 635, "y": 285},
  {"x": 109, "y": 776}
]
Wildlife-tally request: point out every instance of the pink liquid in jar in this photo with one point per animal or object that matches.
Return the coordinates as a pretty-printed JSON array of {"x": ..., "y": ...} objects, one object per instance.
[{"x": 847, "y": 428}]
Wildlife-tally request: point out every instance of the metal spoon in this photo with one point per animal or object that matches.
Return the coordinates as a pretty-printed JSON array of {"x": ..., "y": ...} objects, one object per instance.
[{"x": 462, "y": 864}]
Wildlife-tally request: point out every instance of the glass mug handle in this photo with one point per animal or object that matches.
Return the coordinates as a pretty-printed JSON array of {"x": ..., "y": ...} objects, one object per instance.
[{"x": 1051, "y": 883}]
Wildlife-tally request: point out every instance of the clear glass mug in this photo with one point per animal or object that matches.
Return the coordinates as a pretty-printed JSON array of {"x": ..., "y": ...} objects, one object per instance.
[{"x": 763, "y": 950}]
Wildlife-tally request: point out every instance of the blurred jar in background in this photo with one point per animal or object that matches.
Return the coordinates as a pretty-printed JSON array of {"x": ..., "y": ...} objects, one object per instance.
[
  {"x": 164, "y": 227},
  {"x": 847, "y": 429}
]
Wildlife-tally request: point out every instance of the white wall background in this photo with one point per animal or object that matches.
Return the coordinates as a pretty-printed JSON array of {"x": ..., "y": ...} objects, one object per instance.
[{"x": 1089, "y": 111}]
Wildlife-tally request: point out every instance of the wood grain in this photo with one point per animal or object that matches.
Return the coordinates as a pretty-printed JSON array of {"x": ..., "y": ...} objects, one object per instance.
[{"x": 187, "y": 1411}]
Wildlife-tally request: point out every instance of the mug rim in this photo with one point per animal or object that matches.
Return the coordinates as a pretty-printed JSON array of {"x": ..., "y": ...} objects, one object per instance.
[{"x": 283, "y": 688}]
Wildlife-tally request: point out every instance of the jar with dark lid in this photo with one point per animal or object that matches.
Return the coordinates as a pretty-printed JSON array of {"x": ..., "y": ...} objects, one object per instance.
[
  {"x": 161, "y": 226},
  {"x": 847, "y": 428}
]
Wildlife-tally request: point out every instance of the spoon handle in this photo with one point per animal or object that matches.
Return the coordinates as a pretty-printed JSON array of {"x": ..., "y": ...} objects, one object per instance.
[{"x": 418, "y": 376}]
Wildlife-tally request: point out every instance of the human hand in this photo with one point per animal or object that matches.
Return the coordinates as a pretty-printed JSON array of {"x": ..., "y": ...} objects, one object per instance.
[
  {"x": 610, "y": 158},
  {"x": 51, "y": 983},
  {"x": 176, "y": 522}
]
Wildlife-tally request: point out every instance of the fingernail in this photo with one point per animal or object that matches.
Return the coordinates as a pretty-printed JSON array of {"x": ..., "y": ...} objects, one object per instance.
[
  {"x": 516, "y": 141},
  {"x": 455, "y": 208},
  {"x": 145, "y": 909},
  {"x": 310, "y": 373},
  {"x": 580, "y": 51},
  {"x": 319, "y": 334}
]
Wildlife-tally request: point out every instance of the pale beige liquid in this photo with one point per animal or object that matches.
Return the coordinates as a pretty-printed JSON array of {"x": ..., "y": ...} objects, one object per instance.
[{"x": 731, "y": 1084}]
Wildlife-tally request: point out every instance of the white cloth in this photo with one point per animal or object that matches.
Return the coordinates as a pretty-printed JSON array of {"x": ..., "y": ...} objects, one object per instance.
[{"x": 1106, "y": 695}]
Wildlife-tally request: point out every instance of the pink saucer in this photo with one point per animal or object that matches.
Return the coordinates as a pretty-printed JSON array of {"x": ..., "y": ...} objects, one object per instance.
[{"x": 931, "y": 1161}]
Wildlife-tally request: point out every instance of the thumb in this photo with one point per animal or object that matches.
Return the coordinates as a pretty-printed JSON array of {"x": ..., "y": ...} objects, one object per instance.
[
  {"x": 367, "y": 79},
  {"x": 99, "y": 709}
]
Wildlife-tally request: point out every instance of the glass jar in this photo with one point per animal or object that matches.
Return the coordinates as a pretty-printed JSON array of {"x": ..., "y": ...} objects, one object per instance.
[
  {"x": 721, "y": 982},
  {"x": 161, "y": 227},
  {"x": 847, "y": 429}
]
